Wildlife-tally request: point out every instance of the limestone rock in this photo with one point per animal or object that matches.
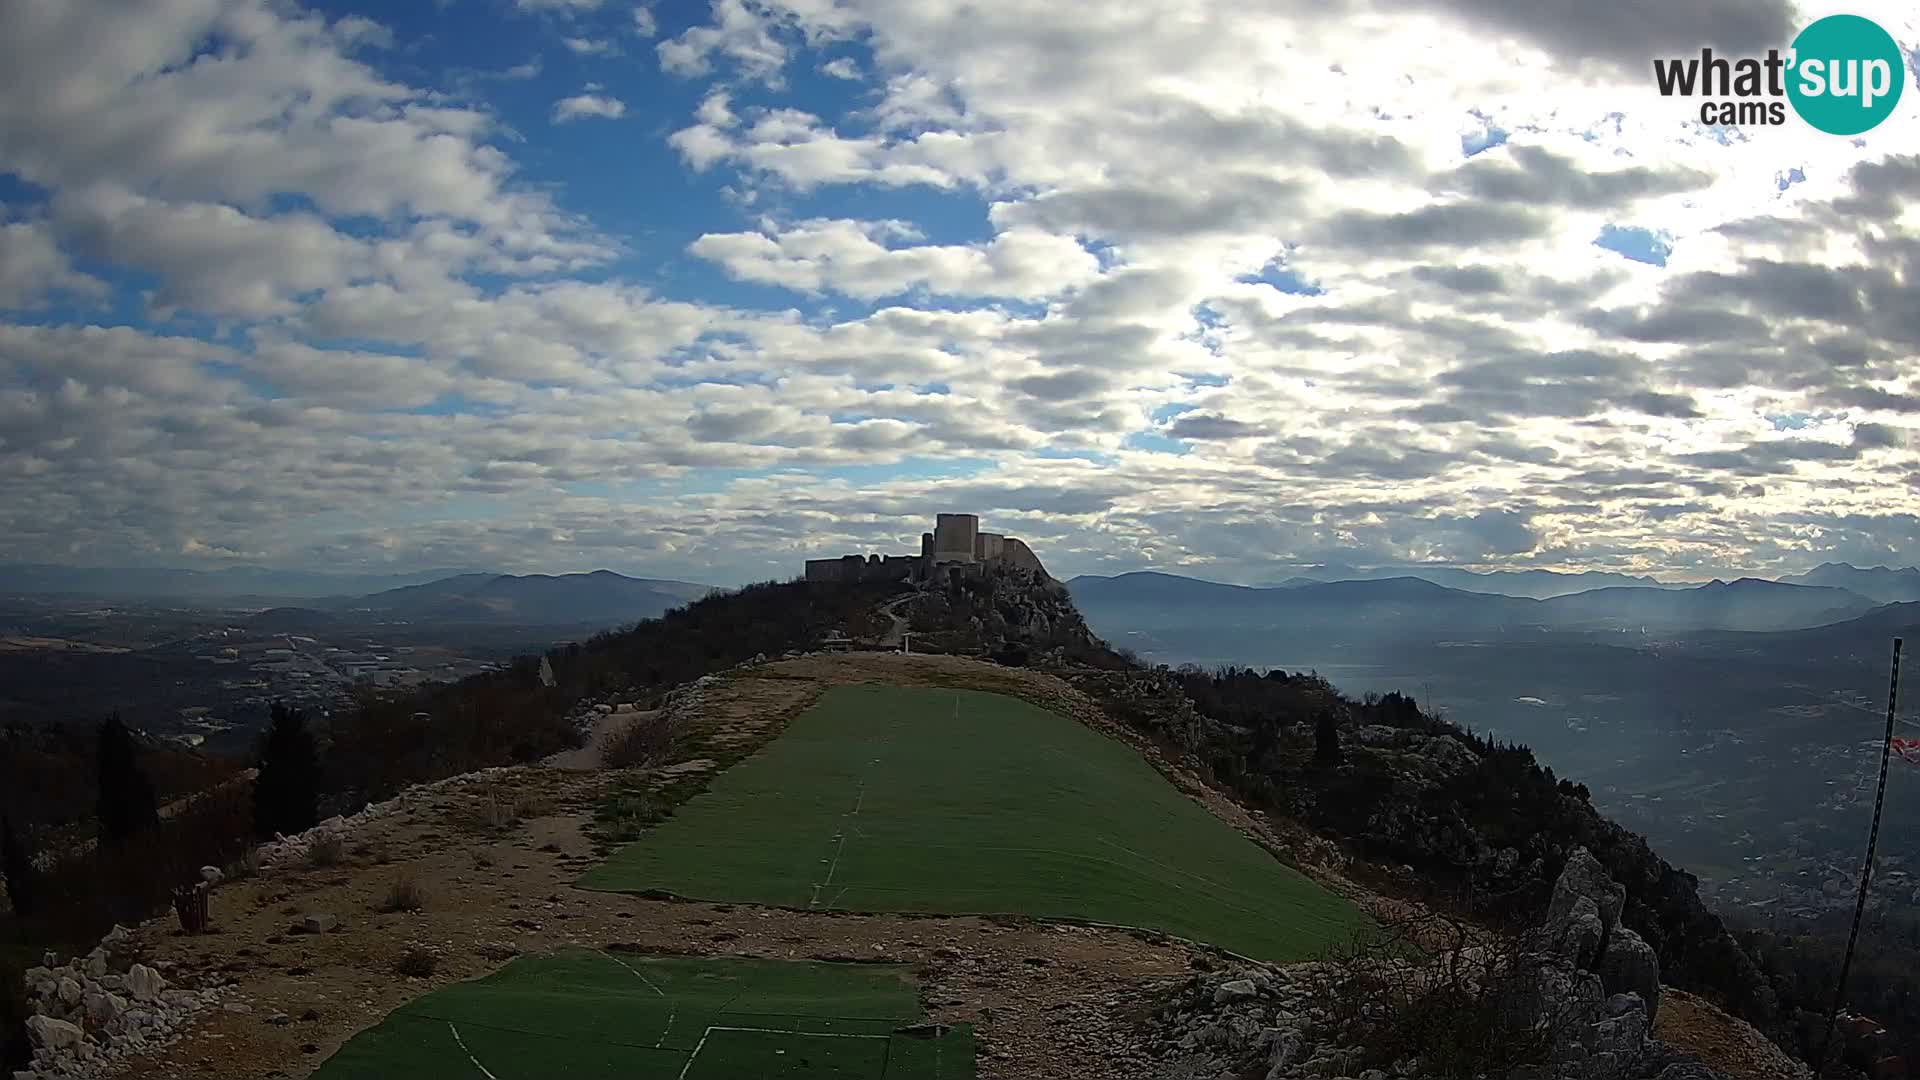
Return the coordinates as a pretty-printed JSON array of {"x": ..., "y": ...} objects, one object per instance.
[
  {"x": 1584, "y": 876},
  {"x": 318, "y": 923},
  {"x": 54, "y": 1034},
  {"x": 1631, "y": 966},
  {"x": 1577, "y": 936},
  {"x": 69, "y": 991},
  {"x": 144, "y": 983},
  {"x": 1234, "y": 990}
]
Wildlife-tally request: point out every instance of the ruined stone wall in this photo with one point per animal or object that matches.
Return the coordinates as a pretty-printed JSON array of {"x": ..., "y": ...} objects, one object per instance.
[
  {"x": 1017, "y": 553},
  {"x": 850, "y": 569}
]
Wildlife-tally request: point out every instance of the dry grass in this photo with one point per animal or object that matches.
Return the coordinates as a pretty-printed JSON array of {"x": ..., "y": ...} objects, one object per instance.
[
  {"x": 416, "y": 961},
  {"x": 327, "y": 850},
  {"x": 405, "y": 894},
  {"x": 646, "y": 741}
]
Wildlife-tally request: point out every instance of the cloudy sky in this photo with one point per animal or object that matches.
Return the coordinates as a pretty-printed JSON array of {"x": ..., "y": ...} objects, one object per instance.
[{"x": 699, "y": 290}]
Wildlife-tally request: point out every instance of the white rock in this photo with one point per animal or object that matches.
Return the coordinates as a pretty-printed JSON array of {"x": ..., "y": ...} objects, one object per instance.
[
  {"x": 69, "y": 991},
  {"x": 53, "y": 1034},
  {"x": 96, "y": 963},
  {"x": 212, "y": 875},
  {"x": 144, "y": 983}
]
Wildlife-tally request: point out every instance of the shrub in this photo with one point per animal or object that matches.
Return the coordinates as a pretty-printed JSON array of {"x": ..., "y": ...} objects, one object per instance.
[
  {"x": 1466, "y": 1002},
  {"x": 405, "y": 894},
  {"x": 327, "y": 849},
  {"x": 529, "y": 804},
  {"x": 416, "y": 961},
  {"x": 493, "y": 813},
  {"x": 645, "y": 742}
]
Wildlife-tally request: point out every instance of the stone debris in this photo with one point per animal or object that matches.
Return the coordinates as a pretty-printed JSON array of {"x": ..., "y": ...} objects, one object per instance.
[{"x": 97, "y": 1010}]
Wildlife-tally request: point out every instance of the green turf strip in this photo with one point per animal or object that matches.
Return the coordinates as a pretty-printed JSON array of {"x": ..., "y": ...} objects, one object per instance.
[
  {"x": 949, "y": 801},
  {"x": 587, "y": 1014}
]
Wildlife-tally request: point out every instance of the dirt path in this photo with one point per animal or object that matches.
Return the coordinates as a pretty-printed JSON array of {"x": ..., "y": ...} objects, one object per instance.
[{"x": 607, "y": 728}]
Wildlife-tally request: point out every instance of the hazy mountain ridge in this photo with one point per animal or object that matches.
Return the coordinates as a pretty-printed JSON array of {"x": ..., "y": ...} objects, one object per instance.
[
  {"x": 601, "y": 596},
  {"x": 1409, "y": 603},
  {"x": 1876, "y": 582},
  {"x": 1530, "y": 584},
  {"x": 232, "y": 582}
]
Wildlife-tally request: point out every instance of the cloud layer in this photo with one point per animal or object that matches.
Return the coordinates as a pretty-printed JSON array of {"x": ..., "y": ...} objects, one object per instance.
[{"x": 1160, "y": 285}]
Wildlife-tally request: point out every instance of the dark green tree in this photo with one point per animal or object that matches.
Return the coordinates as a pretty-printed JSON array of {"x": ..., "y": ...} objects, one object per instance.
[
  {"x": 126, "y": 801},
  {"x": 286, "y": 794},
  {"x": 22, "y": 881},
  {"x": 1326, "y": 740}
]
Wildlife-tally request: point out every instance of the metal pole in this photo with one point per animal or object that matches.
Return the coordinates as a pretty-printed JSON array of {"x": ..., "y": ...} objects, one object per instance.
[{"x": 1866, "y": 868}]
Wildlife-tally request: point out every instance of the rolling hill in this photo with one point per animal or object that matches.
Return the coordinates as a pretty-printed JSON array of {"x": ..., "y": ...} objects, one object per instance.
[{"x": 601, "y": 597}]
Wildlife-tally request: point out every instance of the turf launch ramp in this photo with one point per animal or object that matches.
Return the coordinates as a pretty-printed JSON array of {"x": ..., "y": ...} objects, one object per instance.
[
  {"x": 891, "y": 799},
  {"x": 591, "y": 1014}
]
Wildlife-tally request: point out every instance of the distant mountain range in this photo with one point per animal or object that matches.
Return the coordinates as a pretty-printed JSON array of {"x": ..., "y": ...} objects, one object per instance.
[
  {"x": 229, "y": 583},
  {"x": 299, "y": 600},
  {"x": 601, "y": 597},
  {"x": 1408, "y": 605},
  {"x": 1876, "y": 582},
  {"x": 1535, "y": 584}
]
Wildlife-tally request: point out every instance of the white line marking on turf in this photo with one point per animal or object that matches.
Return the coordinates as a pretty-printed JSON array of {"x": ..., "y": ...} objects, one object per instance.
[
  {"x": 673, "y": 1007},
  {"x": 469, "y": 1053},
  {"x": 846, "y": 825},
  {"x": 766, "y": 1031}
]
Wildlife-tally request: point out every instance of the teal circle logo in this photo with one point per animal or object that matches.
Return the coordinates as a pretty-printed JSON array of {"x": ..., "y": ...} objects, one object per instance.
[{"x": 1846, "y": 74}]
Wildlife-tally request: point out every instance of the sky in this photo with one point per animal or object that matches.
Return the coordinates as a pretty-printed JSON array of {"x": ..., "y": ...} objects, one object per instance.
[{"x": 700, "y": 290}]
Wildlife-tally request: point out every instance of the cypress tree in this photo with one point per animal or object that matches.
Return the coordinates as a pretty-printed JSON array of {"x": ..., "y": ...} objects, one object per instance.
[
  {"x": 126, "y": 803},
  {"x": 21, "y": 880},
  {"x": 1326, "y": 740},
  {"x": 286, "y": 794}
]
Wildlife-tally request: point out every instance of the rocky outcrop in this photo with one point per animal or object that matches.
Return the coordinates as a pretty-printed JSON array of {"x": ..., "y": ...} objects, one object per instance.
[
  {"x": 1577, "y": 996},
  {"x": 94, "y": 1010}
]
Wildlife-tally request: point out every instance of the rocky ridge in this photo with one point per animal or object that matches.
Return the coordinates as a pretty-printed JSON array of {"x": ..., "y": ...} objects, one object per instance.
[{"x": 1583, "y": 985}]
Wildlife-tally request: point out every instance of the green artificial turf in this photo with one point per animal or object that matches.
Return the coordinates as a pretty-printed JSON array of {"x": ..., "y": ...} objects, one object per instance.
[
  {"x": 954, "y": 801},
  {"x": 593, "y": 1015}
]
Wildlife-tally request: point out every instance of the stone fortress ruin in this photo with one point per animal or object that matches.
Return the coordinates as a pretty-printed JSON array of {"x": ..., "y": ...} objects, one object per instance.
[{"x": 955, "y": 546}]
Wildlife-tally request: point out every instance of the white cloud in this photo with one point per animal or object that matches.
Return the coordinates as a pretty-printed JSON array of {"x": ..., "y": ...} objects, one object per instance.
[
  {"x": 842, "y": 68},
  {"x": 853, "y": 257},
  {"x": 583, "y": 46},
  {"x": 743, "y": 33},
  {"x": 643, "y": 22},
  {"x": 32, "y": 267},
  {"x": 588, "y": 105}
]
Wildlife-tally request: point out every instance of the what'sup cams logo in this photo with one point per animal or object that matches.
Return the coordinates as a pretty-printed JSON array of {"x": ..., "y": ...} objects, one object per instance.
[{"x": 1842, "y": 74}]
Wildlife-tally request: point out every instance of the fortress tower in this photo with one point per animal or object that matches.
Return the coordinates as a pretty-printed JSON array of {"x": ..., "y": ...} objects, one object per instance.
[{"x": 956, "y": 538}]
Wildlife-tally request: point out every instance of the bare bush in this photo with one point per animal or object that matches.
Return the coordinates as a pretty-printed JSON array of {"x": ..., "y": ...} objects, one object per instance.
[
  {"x": 244, "y": 867},
  {"x": 494, "y": 813},
  {"x": 645, "y": 742},
  {"x": 1464, "y": 1001},
  {"x": 416, "y": 961},
  {"x": 405, "y": 894},
  {"x": 326, "y": 850},
  {"x": 529, "y": 804}
]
